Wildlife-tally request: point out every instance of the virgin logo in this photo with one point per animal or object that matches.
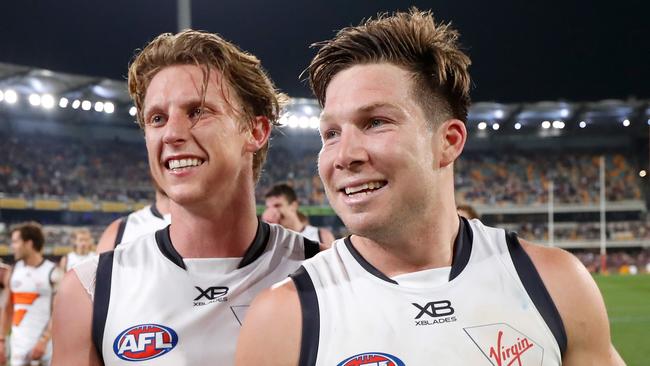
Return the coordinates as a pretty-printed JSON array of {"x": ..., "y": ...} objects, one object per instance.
[
  {"x": 507, "y": 355},
  {"x": 510, "y": 347}
]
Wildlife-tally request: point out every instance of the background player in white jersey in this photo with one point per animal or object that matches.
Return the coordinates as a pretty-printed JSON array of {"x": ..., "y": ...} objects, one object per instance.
[
  {"x": 82, "y": 249},
  {"x": 415, "y": 284},
  {"x": 28, "y": 308},
  {"x": 282, "y": 208},
  {"x": 143, "y": 221},
  {"x": 178, "y": 296}
]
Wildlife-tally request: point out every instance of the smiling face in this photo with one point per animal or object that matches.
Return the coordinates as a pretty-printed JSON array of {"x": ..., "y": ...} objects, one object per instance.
[
  {"x": 198, "y": 151},
  {"x": 381, "y": 158}
]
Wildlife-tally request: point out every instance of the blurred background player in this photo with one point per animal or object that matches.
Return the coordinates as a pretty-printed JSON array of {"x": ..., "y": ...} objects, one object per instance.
[
  {"x": 82, "y": 249},
  {"x": 467, "y": 211},
  {"x": 282, "y": 208},
  {"x": 145, "y": 220},
  {"x": 28, "y": 307}
]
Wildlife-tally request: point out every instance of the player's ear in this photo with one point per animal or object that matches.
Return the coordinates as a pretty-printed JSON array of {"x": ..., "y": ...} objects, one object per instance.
[
  {"x": 452, "y": 134},
  {"x": 259, "y": 133}
]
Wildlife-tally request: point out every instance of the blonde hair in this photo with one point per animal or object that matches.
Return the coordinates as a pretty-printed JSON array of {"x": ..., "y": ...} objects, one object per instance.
[{"x": 242, "y": 71}]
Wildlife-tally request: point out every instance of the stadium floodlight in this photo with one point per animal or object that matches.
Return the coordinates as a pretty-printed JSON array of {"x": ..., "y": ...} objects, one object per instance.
[
  {"x": 10, "y": 96},
  {"x": 498, "y": 113},
  {"x": 642, "y": 173},
  {"x": 34, "y": 100},
  {"x": 626, "y": 122},
  {"x": 314, "y": 122},
  {"x": 99, "y": 106},
  {"x": 307, "y": 110},
  {"x": 293, "y": 122},
  {"x": 76, "y": 104},
  {"x": 63, "y": 102},
  {"x": 495, "y": 126},
  {"x": 2, "y": 95},
  {"x": 648, "y": 121},
  {"x": 282, "y": 121},
  {"x": 132, "y": 111},
  {"x": 558, "y": 124},
  {"x": 517, "y": 126},
  {"x": 109, "y": 107},
  {"x": 47, "y": 101},
  {"x": 482, "y": 125},
  {"x": 582, "y": 124},
  {"x": 86, "y": 105},
  {"x": 564, "y": 113},
  {"x": 546, "y": 124},
  {"x": 303, "y": 122}
]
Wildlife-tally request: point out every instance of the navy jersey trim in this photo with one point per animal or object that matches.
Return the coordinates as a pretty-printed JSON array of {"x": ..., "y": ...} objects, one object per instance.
[
  {"x": 364, "y": 263},
  {"x": 311, "y": 248},
  {"x": 462, "y": 248},
  {"x": 536, "y": 290},
  {"x": 167, "y": 249},
  {"x": 310, "y": 317},
  {"x": 155, "y": 212},
  {"x": 120, "y": 231},
  {"x": 258, "y": 246},
  {"x": 102, "y": 299}
]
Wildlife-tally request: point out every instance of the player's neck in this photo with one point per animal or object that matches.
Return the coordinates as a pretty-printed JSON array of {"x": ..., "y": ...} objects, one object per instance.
[
  {"x": 220, "y": 231},
  {"x": 33, "y": 260},
  {"x": 423, "y": 245}
]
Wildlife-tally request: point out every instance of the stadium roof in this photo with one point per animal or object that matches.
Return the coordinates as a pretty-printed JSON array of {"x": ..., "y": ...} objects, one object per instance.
[{"x": 521, "y": 52}]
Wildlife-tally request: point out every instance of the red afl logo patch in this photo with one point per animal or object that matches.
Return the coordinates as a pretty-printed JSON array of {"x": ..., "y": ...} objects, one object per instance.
[
  {"x": 144, "y": 342},
  {"x": 372, "y": 359}
]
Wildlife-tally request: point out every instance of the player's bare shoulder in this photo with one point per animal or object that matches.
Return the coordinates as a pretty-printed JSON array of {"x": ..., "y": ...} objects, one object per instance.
[
  {"x": 272, "y": 326},
  {"x": 580, "y": 304}
]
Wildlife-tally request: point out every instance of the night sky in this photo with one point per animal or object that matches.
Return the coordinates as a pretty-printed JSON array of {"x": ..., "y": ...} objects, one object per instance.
[{"x": 521, "y": 50}]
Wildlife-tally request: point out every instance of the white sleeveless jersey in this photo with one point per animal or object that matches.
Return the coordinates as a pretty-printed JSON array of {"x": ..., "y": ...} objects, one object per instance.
[
  {"x": 31, "y": 291},
  {"x": 153, "y": 306},
  {"x": 143, "y": 221},
  {"x": 491, "y": 308},
  {"x": 73, "y": 259},
  {"x": 311, "y": 233}
]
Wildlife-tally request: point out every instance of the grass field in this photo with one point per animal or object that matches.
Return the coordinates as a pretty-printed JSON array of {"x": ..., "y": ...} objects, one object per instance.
[{"x": 628, "y": 305}]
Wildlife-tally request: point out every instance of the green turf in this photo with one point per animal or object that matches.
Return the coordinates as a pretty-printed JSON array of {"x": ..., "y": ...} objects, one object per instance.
[{"x": 628, "y": 305}]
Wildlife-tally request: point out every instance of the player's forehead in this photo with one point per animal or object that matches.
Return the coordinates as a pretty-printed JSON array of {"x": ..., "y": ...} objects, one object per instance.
[
  {"x": 367, "y": 88},
  {"x": 184, "y": 84},
  {"x": 276, "y": 200}
]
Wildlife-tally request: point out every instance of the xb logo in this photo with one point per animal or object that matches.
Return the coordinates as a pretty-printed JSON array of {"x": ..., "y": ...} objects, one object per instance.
[
  {"x": 435, "y": 309},
  {"x": 211, "y": 293}
]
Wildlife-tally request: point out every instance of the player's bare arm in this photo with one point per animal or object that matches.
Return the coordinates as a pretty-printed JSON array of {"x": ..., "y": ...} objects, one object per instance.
[
  {"x": 580, "y": 305},
  {"x": 72, "y": 325},
  {"x": 272, "y": 327},
  {"x": 326, "y": 237},
  {"x": 107, "y": 240}
]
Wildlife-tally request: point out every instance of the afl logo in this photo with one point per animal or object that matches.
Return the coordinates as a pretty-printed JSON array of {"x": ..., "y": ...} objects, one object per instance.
[
  {"x": 372, "y": 359},
  {"x": 144, "y": 342}
]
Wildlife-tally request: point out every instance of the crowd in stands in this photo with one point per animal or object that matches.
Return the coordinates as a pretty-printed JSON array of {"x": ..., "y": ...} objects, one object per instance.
[
  {"x": 42, "y": 166},
  {"x": 524, "y": 178},
  {"x": 618, "y": 231}
]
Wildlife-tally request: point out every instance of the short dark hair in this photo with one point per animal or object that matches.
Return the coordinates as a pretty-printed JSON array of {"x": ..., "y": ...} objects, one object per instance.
[
  {"x": 282, "y": 189},
  {"x": 412, "y": 41},
  {"x": 31, "y": 231}
]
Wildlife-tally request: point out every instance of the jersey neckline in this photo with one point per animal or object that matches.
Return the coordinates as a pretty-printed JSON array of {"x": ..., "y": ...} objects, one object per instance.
[
  {"x": 460, "y": 258},
  {"x": 254, "y": 251}
]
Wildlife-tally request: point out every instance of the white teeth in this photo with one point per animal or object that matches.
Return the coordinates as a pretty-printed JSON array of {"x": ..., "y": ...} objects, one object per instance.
[
  {"x": 183, "y": 163},
  {"x": 362, "y": 187}
]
